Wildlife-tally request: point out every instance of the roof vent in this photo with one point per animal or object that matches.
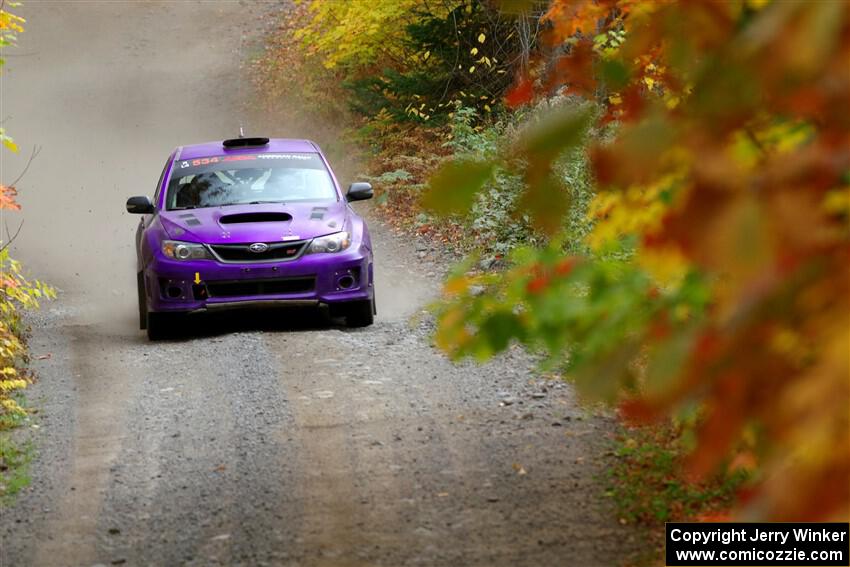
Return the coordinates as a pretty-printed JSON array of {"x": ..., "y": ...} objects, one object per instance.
[{"x": 245, "y": 142}]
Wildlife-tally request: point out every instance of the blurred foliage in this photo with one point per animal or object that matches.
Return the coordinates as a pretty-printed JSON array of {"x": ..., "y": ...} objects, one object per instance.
[
  {"x": 715, "y": 282},
  {"x": 491, "y": 223}
]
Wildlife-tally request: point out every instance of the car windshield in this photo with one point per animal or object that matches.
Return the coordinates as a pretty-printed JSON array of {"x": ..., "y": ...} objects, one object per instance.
[{"x": 244, "y": 179}]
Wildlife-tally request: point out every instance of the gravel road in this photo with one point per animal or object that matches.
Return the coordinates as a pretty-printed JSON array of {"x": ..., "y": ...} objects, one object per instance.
[{"x": 272, "y": 439}]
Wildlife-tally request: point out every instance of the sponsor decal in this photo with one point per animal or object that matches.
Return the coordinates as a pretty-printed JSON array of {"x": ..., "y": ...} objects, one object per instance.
[{"x": 284, "y": 156}]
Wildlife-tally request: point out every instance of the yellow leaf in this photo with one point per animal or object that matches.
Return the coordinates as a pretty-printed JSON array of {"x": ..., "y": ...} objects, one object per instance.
[
  {"x": 472, "y": 69},
  {"x": 10, "y": 144},
  {"x": 757, "y": 4},
  {"x": 482, "y": 38},
  {"x": 473, "y": 51},
  {"x": 837, "y": 201},
  {"x": 671, "y": 101}
]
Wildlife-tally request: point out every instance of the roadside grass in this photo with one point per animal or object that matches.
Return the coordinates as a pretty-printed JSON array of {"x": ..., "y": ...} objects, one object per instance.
[
  {"x": 11, "y": 420},
  {"x": 15, "y": 459},
  {"x": 648, "y": 485}
]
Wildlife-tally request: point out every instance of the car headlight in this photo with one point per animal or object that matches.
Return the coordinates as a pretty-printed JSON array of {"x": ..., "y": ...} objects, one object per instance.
[
  {"x": 336, "y": 242},
  {"x": 177, "y": 250}
]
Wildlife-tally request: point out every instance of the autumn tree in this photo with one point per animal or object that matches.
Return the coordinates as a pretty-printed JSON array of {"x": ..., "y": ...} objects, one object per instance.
[
  {"x": 717, "y": 290},
  {"x": 16, "y": 291},
  {"x": 417, "y": 60}
]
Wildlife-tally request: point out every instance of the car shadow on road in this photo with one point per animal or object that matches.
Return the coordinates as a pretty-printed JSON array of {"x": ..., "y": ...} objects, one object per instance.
[{"x": 202, "y": 325}]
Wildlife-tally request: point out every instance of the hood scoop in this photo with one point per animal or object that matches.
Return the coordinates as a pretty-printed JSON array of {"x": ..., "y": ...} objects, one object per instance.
[{"x": 255, "y": 217}]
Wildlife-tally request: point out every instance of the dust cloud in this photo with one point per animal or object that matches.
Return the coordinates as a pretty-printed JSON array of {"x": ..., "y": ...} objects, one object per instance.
[
  {"x": 106, "y": 116},
  {"x": 106, "y": 104}
]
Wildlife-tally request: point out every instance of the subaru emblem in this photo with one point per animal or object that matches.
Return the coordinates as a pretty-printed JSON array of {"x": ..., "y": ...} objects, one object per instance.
[{"x": 258, "y": 247}]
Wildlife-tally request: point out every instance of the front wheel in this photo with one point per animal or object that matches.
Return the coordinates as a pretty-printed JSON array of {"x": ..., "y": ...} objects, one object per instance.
[
  {"x": 360, "y": 313},
  {"x": 163, "y": 325}
]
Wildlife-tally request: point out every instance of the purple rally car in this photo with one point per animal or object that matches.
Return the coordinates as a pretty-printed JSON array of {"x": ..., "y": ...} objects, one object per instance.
[{"x": 251, "y": 222}]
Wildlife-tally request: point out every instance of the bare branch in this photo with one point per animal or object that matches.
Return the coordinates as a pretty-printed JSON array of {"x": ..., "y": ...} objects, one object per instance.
[
  {"x": 35, "y": 151},
  {"x": 11, "y": 238}
]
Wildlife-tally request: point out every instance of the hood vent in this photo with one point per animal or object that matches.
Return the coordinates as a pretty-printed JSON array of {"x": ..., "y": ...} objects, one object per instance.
[{"x": 255, "y": 217}]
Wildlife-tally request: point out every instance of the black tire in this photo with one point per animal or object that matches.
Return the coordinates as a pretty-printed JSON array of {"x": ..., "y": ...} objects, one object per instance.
[
  {"x": 143, "y": 301},
  {"x": 360, "y": 313},
  {"x": 163, "y": 325}
]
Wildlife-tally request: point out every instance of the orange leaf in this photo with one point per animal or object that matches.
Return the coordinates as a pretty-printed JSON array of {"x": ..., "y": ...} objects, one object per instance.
[
  {"x": 521, "y": 93},
  {"x": 538, "y": 284},
  {"x": 7, "y": 198}
]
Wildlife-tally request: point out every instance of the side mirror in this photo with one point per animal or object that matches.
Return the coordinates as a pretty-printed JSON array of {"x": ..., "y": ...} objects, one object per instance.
[
  {"x": 359, "y": 191},
  {"x": 140, "y": 206}
]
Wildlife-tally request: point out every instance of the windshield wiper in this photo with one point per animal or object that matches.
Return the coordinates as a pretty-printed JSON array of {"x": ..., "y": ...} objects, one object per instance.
[
  {"x": 248, "y": 203},
  {"x": 227, "y": 205},
  {"x": 252, "y": 203}
]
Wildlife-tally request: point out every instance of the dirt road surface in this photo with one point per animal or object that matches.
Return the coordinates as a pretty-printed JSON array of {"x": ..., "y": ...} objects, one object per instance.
[{"x": 273, "y": 440}]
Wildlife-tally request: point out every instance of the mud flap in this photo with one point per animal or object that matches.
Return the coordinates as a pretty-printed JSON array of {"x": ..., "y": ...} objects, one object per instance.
[{"x": 143, "y": 302}]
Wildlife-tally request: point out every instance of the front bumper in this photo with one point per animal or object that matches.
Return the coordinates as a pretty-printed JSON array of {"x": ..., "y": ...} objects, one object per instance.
[{"x": 206, "y": 285}]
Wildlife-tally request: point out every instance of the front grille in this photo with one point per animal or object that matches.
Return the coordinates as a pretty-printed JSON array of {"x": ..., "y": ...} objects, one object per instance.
[
  {"x": 277, "y": 251},
  {"x": 261, "y": 287}
]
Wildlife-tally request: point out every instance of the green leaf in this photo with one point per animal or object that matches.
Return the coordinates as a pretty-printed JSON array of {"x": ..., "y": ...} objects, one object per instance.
[
  {"x": 547, "y": 200},
  {"x": 454, "y": 185},
  {"x": 499, "y": 328},
  {"x": 614, "y": 74},
  {"x": 545, "y": 197},
  {"x": 562, "y": 131}
]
